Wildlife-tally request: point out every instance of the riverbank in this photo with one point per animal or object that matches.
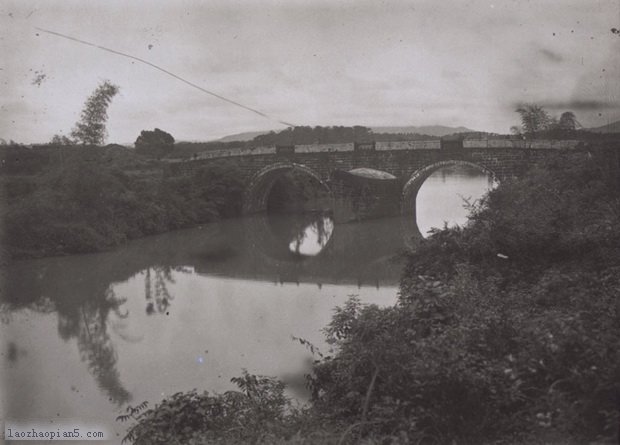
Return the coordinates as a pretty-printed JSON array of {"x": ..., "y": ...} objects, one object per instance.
[
  {"x": 505, "y": 332},
  {"x": 71, "y": 200},
  {"x": 74, "y": 199}
]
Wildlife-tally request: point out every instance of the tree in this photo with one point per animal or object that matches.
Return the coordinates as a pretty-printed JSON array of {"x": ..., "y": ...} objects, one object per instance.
[
  {"x": 515, "y": 130},
  {"x": 534, "y": 118},
  {"x": 61, "y": 139},
  {"x": 568, "y": 121},
  {"x": 156, "y": 142},
  {"x": 91, "y": 128},
  {"x": 155, "y": 137}
]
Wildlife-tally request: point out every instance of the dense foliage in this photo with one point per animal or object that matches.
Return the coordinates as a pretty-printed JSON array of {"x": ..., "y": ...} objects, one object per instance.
[
  {"x": 537, "y": 123},
  {"x": 332, "y": 135},
  {"x": 258, "y": 412},
  {"x": 506, "y": 331},
  {"x": 154, "y": 143},
  {"x": 315, "y": 135},
  {"x": 97, "y": 198}
]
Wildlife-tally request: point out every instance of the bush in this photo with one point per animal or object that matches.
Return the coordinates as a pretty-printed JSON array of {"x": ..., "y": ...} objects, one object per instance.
[
  {"x": 89, "y": 203},
  {"x": 258, "y": 413},
  {"x": 484, "y": 347},
  {"x": 156, "y": 143},
  {"x": 221, "y": 184},
  {"x": 467, "y": 362}
]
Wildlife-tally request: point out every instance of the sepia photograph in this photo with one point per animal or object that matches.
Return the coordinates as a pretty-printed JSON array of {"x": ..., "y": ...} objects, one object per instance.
[{"x": 308, "y": 222}]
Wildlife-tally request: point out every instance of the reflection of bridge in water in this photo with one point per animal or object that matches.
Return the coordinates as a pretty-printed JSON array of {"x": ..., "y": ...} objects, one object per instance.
[{"x": 365, "y": 253}]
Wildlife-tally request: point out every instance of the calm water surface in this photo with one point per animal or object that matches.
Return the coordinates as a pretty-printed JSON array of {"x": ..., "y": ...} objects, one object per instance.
[{"x": 83, "y": 336}]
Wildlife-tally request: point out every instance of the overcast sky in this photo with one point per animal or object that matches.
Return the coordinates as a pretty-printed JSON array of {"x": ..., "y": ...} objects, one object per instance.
[{"x": 306, "y": 62}]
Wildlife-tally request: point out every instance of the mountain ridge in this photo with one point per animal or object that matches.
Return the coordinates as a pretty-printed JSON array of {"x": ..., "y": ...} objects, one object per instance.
[
  {"x": 613, "y": 127},
  {"x": 431, "y": 130},
  {"x": 243, "y": 137}
]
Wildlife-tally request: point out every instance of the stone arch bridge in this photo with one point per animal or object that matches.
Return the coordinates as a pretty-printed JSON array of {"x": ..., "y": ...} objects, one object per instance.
[{"x": 407, "y": 164}]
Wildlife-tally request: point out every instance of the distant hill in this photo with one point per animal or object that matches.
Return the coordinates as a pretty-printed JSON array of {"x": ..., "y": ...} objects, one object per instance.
[
  {"x": 614, "y": 127},
  {"x": 247, "y": 136},
  {"x": 431, "y": 130}
]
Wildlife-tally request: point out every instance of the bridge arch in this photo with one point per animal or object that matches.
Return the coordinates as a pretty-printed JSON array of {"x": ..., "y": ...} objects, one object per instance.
[
  {"x": 259, "y": 186},
  {"x": 412, "y": 186}
]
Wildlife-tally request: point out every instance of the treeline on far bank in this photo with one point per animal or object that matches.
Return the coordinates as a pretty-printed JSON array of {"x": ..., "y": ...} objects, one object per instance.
[
  {"x": 506, "y": 331},
  {"x": 76, "y": 199}
]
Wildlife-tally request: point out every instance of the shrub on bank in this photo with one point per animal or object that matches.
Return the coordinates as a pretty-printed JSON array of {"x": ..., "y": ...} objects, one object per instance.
[{"x": 257, "y": 412}]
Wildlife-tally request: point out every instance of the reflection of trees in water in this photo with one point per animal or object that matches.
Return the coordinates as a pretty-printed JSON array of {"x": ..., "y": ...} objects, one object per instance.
[
  {"x": 5, "y": 313},
  {"x": 88, "y": 323},
  {"x": 85, "y": 319},
  {"x": 156, "y": 291},
  {"x": 97, "y": 350},
  {"x": 84, "y": 314},
  {"x": 43, "y": 305},
  {"x": 301, "y": 225},
  {"x": 157, "y": 299}
]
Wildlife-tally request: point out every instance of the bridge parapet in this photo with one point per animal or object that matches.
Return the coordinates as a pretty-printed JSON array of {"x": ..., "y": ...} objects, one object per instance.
[
  {"x": 234, "y": 152},
  {"x": 408, "y": 145},
  {"x": 322, "y": 148},
  {"x": 536, "y": 144},
  {"x": 435, "y": 144}
]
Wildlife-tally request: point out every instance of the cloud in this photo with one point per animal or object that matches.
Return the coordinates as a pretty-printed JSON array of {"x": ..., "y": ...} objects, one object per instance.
[
  {"x": 551, "y": 56},
  {"x": 322, "y": 62},
  {"x": 582, "y": 105}
]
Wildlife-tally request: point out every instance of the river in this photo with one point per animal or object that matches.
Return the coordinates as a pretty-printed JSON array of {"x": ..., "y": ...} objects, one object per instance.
[{"x": 84, "y": 336}]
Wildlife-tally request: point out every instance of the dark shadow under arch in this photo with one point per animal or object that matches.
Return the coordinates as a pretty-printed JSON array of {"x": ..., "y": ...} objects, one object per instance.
[{"x": 259, "y": 187}]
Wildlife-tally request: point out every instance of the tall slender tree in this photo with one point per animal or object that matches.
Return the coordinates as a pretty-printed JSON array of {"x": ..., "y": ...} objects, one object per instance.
[{"x": 91, "y": 128}]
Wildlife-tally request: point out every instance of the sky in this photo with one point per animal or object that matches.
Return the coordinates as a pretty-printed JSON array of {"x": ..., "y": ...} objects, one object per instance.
[{"x": 359, "y": 62}]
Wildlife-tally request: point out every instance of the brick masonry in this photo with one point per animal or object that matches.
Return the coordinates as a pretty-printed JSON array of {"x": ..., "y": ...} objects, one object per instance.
[{"x": 410, "y": 162}]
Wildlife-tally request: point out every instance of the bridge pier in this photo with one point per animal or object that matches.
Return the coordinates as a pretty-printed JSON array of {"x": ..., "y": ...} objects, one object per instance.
[{"x": 358, "y": 197}]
